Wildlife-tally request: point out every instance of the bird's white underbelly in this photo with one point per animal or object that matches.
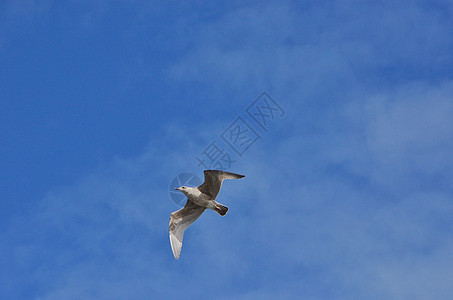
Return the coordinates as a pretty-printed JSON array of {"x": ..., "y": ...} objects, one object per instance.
[{"x": 202, "y": 201}]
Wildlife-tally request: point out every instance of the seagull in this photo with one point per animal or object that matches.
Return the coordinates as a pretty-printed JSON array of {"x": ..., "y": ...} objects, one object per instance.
[{"x": 198, "y": 199}]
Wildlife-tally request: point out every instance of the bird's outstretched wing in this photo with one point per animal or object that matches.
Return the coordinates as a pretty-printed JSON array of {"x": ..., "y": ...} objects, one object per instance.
[
  {"x": 179, "y": 221},
  {"x": 213, "y": 181}
]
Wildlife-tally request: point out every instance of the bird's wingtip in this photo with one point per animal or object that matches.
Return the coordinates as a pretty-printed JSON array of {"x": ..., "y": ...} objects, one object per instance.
[{"x": 175, "y": 246}]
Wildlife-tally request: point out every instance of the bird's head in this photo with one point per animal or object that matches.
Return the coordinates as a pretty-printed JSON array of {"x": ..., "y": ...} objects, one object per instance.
[{"x": 183, "y": 189}]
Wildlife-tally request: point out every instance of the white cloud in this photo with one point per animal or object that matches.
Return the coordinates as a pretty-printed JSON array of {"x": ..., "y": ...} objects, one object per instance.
[{"x": 404, "y": 134}]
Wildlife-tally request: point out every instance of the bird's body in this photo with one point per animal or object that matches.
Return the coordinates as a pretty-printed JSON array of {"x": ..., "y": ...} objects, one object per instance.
[
  {"x": 198, "y": 199},
  {"x": 201, "y": 199}
]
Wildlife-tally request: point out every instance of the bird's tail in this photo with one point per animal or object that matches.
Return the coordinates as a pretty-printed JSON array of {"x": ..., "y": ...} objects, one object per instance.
[{"x": 221, "y": 209}]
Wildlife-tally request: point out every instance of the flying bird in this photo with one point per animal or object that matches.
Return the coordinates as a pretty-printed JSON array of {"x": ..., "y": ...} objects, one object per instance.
[{"x": 198, "y": 199}]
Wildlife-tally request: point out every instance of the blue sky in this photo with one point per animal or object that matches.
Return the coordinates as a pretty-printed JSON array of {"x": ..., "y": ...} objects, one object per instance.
[{"x": 348, "y": 195}]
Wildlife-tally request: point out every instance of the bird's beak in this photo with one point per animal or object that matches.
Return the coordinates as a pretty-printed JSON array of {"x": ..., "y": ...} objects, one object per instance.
[{"x": 176, "y": 189}]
